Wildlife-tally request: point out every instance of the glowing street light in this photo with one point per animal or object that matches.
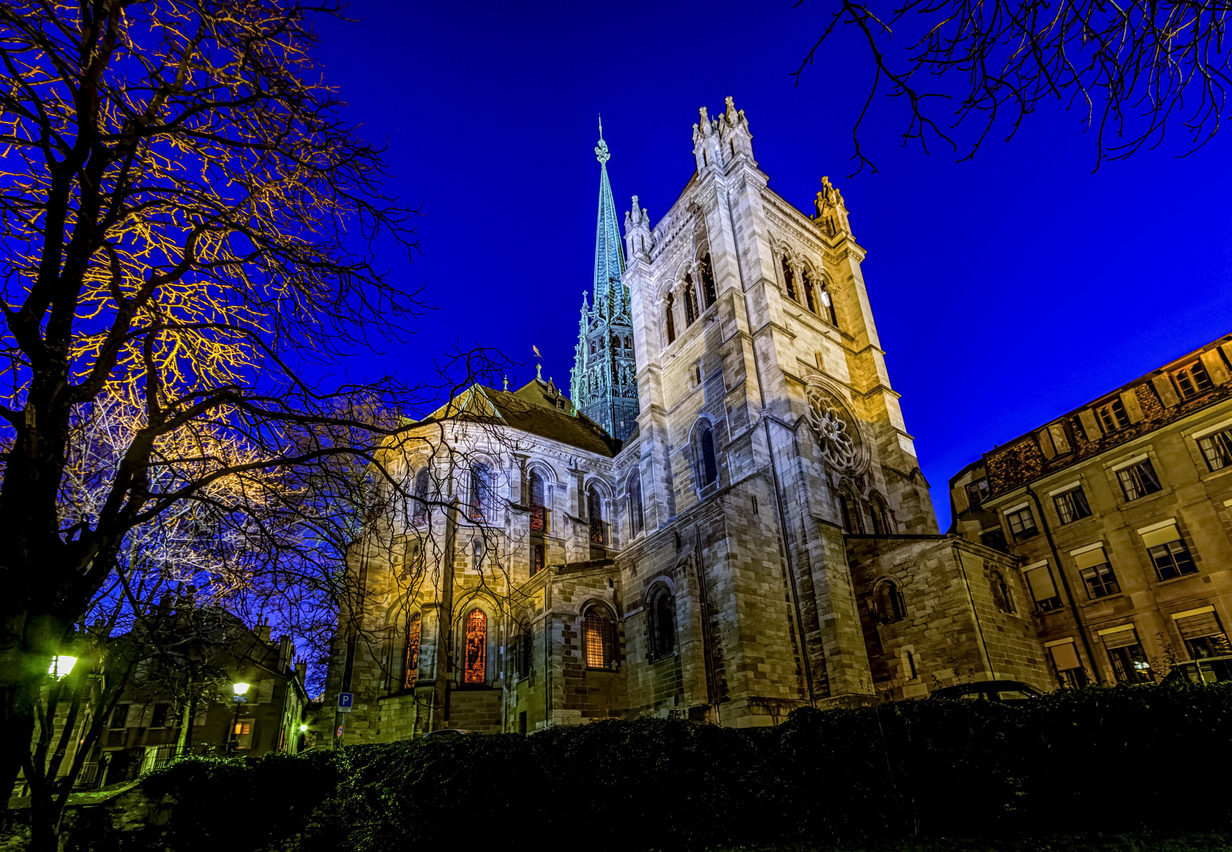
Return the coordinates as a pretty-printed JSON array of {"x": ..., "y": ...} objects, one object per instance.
[
  {"x": 61, "y": 665},
  {"x": 239, "y": 690}
]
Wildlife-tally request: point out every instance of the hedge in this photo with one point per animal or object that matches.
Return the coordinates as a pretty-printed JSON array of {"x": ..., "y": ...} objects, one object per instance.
[{"x": 1110, "y": 760}]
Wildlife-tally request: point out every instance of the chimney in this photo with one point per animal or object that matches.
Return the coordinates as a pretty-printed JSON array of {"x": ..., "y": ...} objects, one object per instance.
[
  {"x": 301, "y": 672},
  {"x": 285, "y": 653},
  {"x": 262, "y": 630}
]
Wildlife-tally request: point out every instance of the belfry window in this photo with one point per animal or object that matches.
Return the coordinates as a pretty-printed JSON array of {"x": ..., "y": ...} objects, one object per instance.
[
  {"x": 807, "y": 281},
  {"x": 789, "y": 280},
  {"x": 707, "y": 276},
  {"x": 669, "y": 318},
  {"x": 410, "y": 661},
  {"x": 690, "y": 301},
  {"x": 707, "y": 464},
  {"x": 827, "y": 304},
  {"x": 598, "y": 639},
  {"x": 475, "y": 659}
]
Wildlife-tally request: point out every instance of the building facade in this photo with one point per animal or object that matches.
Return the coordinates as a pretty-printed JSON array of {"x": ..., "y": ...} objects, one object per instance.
[
  {"x": 761, "y": 539},
  {"x": 1120, "y": 516}
]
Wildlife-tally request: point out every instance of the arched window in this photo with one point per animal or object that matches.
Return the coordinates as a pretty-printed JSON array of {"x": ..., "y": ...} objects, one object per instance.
[
  {"x": 420, "y": 515},
  {"x": 475, "y": 659},
  {"x": 522, "y": 650},
  {"x": 880, "y": 515},
  {"x": 707, "y": 465},
  {"x": 853, "y": 523},
  {"x": 670, "y": 317},
  {"x": 789, "y": 280},
  {"x": 690, "y": 300},
  {"x": 1001, "y": 594},
  {"x": 480, "y": 492},
  {"x": 414, "y": 556},
  {"x": 538, "y": 503},
  {"x": 807, "y": 283},
  {"x": 594, "y": 514},
  {"x": 662, "y": 614},
  {"x": 707, "y": 276},
  {"x": 827, "y": 304},
  {"x": 598, "y": 639},
  {"x": 477, "y": 551},
  {"x": 410, "y": 660},
  {"x": 636, "y": 521},
  {"x": 888, "y": 602}
]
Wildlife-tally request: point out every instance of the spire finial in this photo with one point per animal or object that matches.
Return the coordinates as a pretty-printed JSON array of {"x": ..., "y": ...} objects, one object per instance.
[{"x": 601, "y": 152}]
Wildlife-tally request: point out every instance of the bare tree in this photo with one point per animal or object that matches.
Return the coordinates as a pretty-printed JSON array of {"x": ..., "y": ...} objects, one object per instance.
[
  {"x": 186, "y": 225},
  {"x": 1135, "y": 70}
]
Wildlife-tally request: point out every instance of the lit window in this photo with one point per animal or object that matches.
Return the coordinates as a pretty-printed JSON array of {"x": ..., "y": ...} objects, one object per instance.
[
  {"x": 1096, "y": 573},
  {"x": 1138, "y": 480},
  {"x": 1217, "y": 449},
  {"x": 597, "y": 639},
  {"x": 1072, "y": 505},
  {"x": 1113, "y": 416},
  {"x": 1022, "y": 523},
  {"x": 1202, "y": 633},
  {"x": 475, "y": 663},
  {"x": 410, "y": 661},
  {"x": 888, "y": 603},
  {"x": 1129, "y": 663},
  {"x": 1192, "y": 380},
  {"x": 827, "y": 305}
]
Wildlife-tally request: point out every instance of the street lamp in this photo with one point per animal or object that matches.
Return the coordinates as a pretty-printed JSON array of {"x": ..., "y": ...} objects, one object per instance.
[
  {"x": 61, "y": 666},
  {"x": 240, "y": 690}
]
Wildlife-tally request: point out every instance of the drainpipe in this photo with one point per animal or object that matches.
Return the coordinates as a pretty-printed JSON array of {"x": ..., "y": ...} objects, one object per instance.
[{"x": 1073, "y": 607}]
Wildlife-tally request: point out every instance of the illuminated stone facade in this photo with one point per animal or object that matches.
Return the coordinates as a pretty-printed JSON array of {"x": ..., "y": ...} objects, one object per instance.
[
  {"x": 723, "y": 563},
  {"x": 1120, "y": 517}
]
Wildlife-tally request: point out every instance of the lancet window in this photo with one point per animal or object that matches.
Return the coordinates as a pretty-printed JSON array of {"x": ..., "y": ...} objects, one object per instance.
[
  {"x": 789, "y": 280},
  {"x": 807, "y": 282},
  {"x": 636, "y": 520},
  {"x": 475, "y": 657},
  {"x": 480, "y": 492},
  {"x": 707, "y": 463},
  {"x": 420, "y": 511},
  {"x": 707, "y": 275},
  {"x": 598, "y": 638},
  {"x": 690, "y": 300},
  {"x": 410, "y": 661},
  {"x": 669, "y": 317},
  {"x": 662, "y": 611},
  {"x": 888, "y": 602}
]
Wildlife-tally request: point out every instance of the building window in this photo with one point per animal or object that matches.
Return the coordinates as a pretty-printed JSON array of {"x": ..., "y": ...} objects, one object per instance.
[
  {"x": 523, "y": 652},
  {"x": 536, "y": 557},
  {"x": 1192, "y": 380},
  {"x": 119, "y": 716},
  {"x": 1138, "y": 480},
  {"x": 477, "y": 551},
  {"x": 789, "y": 280},
  {"x": 880, "y": 514},
  {"x": 853, "y": 521},
  {"x": 977, "y": 493},
  {"x": 1096, "y": 573},
  {"x": 888, "y": 603},
  {"x": 1022, "y": 523},
  {"x": 994, "y": 538},
  {"x": 690, "y": 301},
  {"x": 420, "y": 513},
  {"x": 1129, "y": 663},
  {"x": 806, "y": 282},
  {"x": 1202, "y": 633},
  {"x": 1172, "y": 559},
  {"x": 707, "y": 464},
  {"x": 475, "y": 660},
  {"x": 1072, "y": 505},
  {"x": 707, "y": 275},
  {"x": 636, "y": 520},
  {"x": 480, "y": 492},
  {"x": 539, "y": 520},
  {"x": 1217, "y": 449},
  {"x": 410, "y": 658},
  {"x": 1002, "y": 596},
  {"x": 1064, "y": 655},
  {"x": 662, "y": 612},
  {"x": 669, "y": 318},
  {"x": 1113, "y": 416},
  {"x": 597, "y": 639},
  {"x": 161, "y": 715},
  {"x": 243, "y": 734},
  {"x": 827, "y": 305},
  {"x": 594, "y": 514},
  {"x": 1043, "y": 588}
]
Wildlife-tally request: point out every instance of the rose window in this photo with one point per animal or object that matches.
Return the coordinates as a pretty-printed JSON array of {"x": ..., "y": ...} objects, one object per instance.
[{"x": 837, "y": 435}]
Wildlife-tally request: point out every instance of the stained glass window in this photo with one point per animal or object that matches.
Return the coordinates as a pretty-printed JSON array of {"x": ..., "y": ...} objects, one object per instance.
[
  {"x": 476, "y": 659},
  {"x": 411, "y": 663},
  {"x": 597, "y": 636}
]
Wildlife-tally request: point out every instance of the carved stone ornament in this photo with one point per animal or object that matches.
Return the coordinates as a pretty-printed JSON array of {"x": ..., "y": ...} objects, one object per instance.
[{"x": 838, "y": 436}]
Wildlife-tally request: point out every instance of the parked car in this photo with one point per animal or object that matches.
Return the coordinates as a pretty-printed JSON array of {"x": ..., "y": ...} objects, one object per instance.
[
  {"x": 440, "y": 733},
  {"x": 1005, "y": 691},
  {"x": 1206, "y": 670}
]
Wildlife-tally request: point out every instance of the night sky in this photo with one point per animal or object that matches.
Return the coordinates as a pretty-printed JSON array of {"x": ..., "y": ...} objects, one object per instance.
[{"x": 1006, "y": 290}]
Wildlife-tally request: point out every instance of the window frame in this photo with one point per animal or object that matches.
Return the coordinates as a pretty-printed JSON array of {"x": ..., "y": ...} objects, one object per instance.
[
  {"x": 661, "y": 622},
  {"x": 1112, "y": 415},
  {"x": 1216, "y": 446},
  {"x": 1132, "y": 481},
  {"x": 596, "y": 614},
  {"x": 1022, "y": 532},
  {"x": 1067, "y": 504},
  {"x": 1195, "y": 375}
]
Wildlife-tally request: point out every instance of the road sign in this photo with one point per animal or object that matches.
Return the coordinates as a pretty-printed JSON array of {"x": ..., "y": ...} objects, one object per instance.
[{"x": 345, "y": 700}]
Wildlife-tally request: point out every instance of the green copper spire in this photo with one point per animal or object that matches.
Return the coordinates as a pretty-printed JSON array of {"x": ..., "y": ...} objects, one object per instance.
[
  {"x": 609, "y": 256},
  {"x": 604, "y": 379}
]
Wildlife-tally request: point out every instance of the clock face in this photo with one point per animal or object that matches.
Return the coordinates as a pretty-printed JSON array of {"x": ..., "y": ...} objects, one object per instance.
[{"x": 838, "y": 437}]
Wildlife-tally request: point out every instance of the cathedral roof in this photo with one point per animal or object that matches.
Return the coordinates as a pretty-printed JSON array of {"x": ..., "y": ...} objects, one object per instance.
[{"x": 537, "y": 408}]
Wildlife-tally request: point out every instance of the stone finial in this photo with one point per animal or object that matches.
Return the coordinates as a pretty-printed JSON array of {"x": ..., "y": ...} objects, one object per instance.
[
  {"x": 831, "y": 209},
  {"x": 731, "y": 114}
]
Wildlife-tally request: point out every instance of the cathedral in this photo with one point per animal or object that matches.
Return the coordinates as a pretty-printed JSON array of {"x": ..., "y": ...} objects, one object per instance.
[{"x": 725, "y": 520}]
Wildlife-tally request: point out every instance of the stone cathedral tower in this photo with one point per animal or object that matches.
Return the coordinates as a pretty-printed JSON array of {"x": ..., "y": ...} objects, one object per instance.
[{"x": 604, "y": 380}]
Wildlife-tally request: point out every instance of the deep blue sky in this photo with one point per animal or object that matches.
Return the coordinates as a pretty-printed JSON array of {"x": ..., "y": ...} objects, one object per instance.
[{"x": 1006, "y": 290}]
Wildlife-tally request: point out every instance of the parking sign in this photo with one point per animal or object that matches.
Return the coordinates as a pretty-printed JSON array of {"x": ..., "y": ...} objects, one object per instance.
[{"x": 345, "y": 700}]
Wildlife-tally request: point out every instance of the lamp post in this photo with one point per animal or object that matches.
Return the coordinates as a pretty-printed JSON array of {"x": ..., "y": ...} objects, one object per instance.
[{"x": 240, "y": 691}]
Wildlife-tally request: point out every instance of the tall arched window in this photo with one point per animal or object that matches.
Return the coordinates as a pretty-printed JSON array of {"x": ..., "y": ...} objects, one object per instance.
[
  {"x": 789, "y": 280},
  {"x": 880, "y": 515},
  {"x": 420, "y": 514},
  {"x": 853, "y": 523},
  {"x": 807, "y": 283},
  {"x": 662, "y": 614},
  {"x": 477, "y": 551},
  {"x": 707, "y": 464},
  {"x": 594, "y": 514},
  {"x": 410, "y": 660},
  {"x": 707, "y": 276},
  {"x": 598, "y": 639},
  {"x": 1001, "y": 594},
  {"x": 827, "y": 304},
  {"x": 636, "y": 520},
  {"x": 475, "y": 659},
  {"x": 670, "y": 317},
  {"x": 538, "y": 503},
  {"x": 690, "y": 300},
  {"x": 480, "y": 492},
  {"x": 888, "y": 602}
]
